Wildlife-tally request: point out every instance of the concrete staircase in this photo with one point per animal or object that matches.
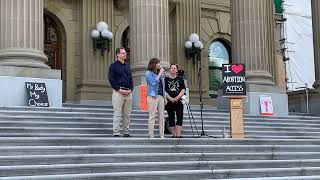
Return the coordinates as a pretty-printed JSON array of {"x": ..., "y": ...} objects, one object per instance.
[{"x": 75, "y": 142}]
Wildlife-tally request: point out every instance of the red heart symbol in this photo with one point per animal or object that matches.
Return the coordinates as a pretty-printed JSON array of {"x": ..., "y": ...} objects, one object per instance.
[{"x": 237, "y": 68}]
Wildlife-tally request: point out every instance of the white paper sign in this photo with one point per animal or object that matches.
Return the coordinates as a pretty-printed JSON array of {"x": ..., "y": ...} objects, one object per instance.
[{"x": 266, "y": 106}]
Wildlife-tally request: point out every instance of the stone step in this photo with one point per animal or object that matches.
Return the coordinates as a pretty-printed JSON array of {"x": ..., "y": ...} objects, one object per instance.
[
  {"x": 137, "y": 125},
  {"x": 81, "y": 109},
  {"x": 221, "y": 122},
  {"x": 254, "y": 136},
  {"x": 109, "y": 112},
  {"x": 56, "y": 109},
  {"x": 83, "y": 141},
  {"x": 302, "y": 114},
  {"x": 257, "y": 136},
  {"x": 6, "y": 110},
  {"x": 18, "y": 135},
  {"x": 213, "y": 132},
  {"x": 136, "y": 114},
  {"x": 105, "y": 105},
  {"x": 276, "y": 178},
  {"x": 282, "y": 133},
  {"x": 62, "y": 114},
  {"x": 109, "y": 106},
  {"x": 134, "y": 123},
  {"x": 183, "y": 174},
  {"x": 64, "y": 111},
  {"x": 138, "y": 121},
  {"x": 150, "y": 157},
  {"x": 108, "y": 131},
  {"x": 110, "y": 135},
  {"x": 111, "y": 149},
  {"x": 76, "y": 142},
  {"x": 90, "y": 130},
  {"x": 58, "y": 135},
  {"x": 56, "y": 169}
]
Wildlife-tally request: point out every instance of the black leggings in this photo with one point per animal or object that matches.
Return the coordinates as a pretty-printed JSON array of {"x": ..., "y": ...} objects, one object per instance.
[{"x": 172, "y": 109}]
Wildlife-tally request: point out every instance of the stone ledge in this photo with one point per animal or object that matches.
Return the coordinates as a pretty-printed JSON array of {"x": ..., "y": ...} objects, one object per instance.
[{"x": 15, "y": 71}]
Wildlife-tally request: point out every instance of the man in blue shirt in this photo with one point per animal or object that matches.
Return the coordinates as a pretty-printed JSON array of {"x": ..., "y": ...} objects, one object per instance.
[{"x": 120, "y": 78}]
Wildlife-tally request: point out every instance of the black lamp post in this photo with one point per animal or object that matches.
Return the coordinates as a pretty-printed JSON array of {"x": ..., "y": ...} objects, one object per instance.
[
  {"x": 101, "y": 38},
  {"x": 193, "y": 48}
]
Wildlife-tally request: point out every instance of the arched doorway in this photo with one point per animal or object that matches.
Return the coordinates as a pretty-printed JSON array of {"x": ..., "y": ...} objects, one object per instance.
[
  {"x": 125, "y": 42},
  {"x": 219, "y": 53},
  {"x": 54, "y": 45}
]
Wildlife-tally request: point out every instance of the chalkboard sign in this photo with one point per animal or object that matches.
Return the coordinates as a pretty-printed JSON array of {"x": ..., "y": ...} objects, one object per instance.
[
  {"x": 37, "y": 94},
  {"x": 233, "y": 80}
]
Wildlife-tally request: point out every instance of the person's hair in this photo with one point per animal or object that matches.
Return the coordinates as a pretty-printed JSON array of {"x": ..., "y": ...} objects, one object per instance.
[
  {"x": 174, "y": 65},
  {"x": 119, "y": 49},
  {"x": 152, "y": 64}
]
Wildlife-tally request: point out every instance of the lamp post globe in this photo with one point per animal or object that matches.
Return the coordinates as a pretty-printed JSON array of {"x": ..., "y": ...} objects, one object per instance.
[
  {"x": 188, "y": 44},
  {"x": 105, "y": 34},
  {"x": 198, "y": 45},
  {"x": 95, "y": 33},
  {"x": 194, "y": 37},
  {"x": 101, "y": 26},
  {"x": 109, "y": 35}
]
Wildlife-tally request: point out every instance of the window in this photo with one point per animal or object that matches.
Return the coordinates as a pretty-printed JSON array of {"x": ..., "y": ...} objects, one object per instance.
[{"x": 218, "y": 54}]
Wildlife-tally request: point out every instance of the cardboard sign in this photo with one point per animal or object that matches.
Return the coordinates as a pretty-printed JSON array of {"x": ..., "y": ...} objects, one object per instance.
[
  {"x": 143, "y": 98},
  {"x": 266, "y": 106},
  {"x": 233, "y": 80},
  {"x": 37, "y": 94}
]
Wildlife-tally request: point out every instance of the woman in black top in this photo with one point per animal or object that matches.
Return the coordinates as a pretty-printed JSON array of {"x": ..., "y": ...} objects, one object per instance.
[{"x": 175, "y": 88}]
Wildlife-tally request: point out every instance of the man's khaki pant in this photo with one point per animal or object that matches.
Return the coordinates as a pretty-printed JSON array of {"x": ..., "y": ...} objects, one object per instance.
[
  {"x": 122, "y": 106},
  {"x": 154, "y": 104}
]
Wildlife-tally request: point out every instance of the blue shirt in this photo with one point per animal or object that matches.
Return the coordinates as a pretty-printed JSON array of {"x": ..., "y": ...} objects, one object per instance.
[
  {"x": 155, "y": 86},
  {"x": 120, "y": 76},
  {"x": 152, "y": 83}
]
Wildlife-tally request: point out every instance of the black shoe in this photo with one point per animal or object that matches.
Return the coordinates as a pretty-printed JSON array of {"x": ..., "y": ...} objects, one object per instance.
[
  {"x": 116, "y": 135},
  {"x": 127, "y": 135}
]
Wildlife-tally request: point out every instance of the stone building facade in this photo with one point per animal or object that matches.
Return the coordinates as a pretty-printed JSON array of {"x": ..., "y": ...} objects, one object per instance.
[{"x": 50, "y": 39}]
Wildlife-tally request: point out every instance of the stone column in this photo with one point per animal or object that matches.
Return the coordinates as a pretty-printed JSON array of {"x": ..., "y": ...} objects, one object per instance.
[
  {"x": 253, "y": 43},
  {"x": 253, "y": 38},
  {"x": 94, "y": 67},
  {"x": 21, "y": 33},
  {"x": 185, "y": 20},
  {"x": 149, "y": 36},
  {"x": 21, "y": 54},
  {"x": 315, "y": 5}
]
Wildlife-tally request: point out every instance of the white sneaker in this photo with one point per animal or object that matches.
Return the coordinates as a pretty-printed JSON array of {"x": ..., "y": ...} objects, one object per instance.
[
  {"x": 151, "y": 136},
  {"x": 162, "y": 137}
]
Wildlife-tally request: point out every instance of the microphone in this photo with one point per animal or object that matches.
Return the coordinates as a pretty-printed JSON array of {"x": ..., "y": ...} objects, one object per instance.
[{"x": 163, "y": 73}]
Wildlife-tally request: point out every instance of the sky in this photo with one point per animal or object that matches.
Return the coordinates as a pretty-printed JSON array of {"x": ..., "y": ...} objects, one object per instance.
[{"x": 300, "y": 67}]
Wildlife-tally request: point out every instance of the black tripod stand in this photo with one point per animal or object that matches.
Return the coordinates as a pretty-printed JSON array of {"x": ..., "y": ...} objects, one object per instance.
[
  {"x": 200, "y": 94},
  {"x": 192, "y": 120}
]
